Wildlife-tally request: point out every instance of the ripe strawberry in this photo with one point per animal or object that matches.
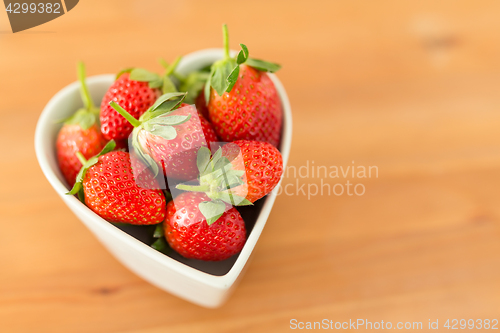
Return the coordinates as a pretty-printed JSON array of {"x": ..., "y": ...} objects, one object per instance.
[
  {"x": 239, "y": 173},
  {"x": 135, "y": 89},
  {"x": 201, "y": 106},
  {"x": 80, "y": 133},
  {"x": 135, "y": 96},
  {"x": 262, "y": 163},
  {"x": 110, "y": 189},
  {"x": 192, "y": 236},
  {"x": 173, "y": 149},
  {"x": 242, "y": 100},
  {"x": 178, "y": 156}
]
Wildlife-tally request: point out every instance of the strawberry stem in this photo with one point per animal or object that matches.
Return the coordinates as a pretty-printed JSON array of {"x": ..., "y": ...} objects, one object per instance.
[
  {"x": 125, "y": 114},
  {"x": 165, "y": 65},
  {"x": 226, "y": 41},
  {"x": 171, "y": 68},
  {"x": 193, "y": 188},
  {"x": 81, "y": 158},
  {"x": 84, "y": 92}
]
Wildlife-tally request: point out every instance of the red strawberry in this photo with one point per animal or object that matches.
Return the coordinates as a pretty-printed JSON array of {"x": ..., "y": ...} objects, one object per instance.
[
  {"x": 178, "y": 156},
  {"x": 192, "y": 236},
  {"x": 110, "y": 189},
  {"x": 170, "y": 139},
  {"x": 262, "y": 163},
  {"x": 79, "y": 133},
  {"x": 134, "y": 96},
  {"x": 201, "y": 106},
  {"x": 135, "y": 89},
  {"x": 72, "y": 139},
  {"x": 242, "y": 100},
  {"x": 240, "y": 173}
]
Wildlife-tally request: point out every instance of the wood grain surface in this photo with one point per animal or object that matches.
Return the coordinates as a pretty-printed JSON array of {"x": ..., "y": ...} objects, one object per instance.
[{"x": 411, "y": 87}]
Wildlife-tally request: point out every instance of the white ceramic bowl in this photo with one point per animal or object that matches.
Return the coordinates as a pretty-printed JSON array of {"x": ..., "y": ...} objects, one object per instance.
[{"x": 204, "y": 283}]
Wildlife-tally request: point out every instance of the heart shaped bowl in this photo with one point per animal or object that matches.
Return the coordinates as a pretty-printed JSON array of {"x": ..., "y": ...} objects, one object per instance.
[{"x": 204, "y": 283}]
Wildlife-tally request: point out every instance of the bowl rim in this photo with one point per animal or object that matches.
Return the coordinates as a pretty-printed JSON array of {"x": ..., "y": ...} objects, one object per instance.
[{"x": 44, "y": 154}]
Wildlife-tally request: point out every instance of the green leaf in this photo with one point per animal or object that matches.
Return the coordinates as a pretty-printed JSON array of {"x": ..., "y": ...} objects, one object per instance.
[
  {"x": 141, "y": 155},
  {"x": 170, "y": 69},
  {"x": 76, "y": 188},
  {"x": 193, "y": 84},
  {"x": 168, "y": 86},
  {"x": 237, "y": 173},
  {"x": 208, "y": 85},
  {"x": 232, "y": 78},
  {"x": 91, "y": 161},
  {"x": 242, "y": 55},
  {"x": 215, "y": 158},
  {"x": 222, "y": 70},
  {"x": 167, "y": 97},
  {"x": 234, "y": 199},
  {"x": 88, "y": 121},
  {"x": 231, "y": 183},
  {"x": 158, "y": 231},
  {"x": 141, "y": 74},
  {"x": 237, "y": 182},
  {"x": 166, "y": 132},
  {"x": 221, "y": 162},
  {"x": 227, "y": 176},
  {"x": 161, "y": 245},
  {"x": 202, "y": 159},
  {"x": 166, "y": 108},
  {"x": 107, "y": 148},
  {"x": 123, "y": 71},
  {"x": 155, "y": 84},
  {"x": 83, "y": 118},
  {"x": 150, "y": 163},
  {"x": 175, "y": 119},
  {"x": 212, "y": 210},
  {"x": 263, "y": 65},
  {"x": 81, "y": 195},
  {"x": 230, "y": 180},
  {"x": 166, "y": 121},
  {"x": 163, "y": 63}
]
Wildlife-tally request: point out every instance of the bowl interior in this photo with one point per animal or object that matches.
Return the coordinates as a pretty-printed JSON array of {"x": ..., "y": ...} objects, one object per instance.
[{"x": 98, "y": 85}]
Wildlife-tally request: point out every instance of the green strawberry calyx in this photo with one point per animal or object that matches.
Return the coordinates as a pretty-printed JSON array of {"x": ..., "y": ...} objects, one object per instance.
[
  {"x": 155, "y": 81},
  {"x": 86, "y": 164},
  {"x": 217, "y": 178},
  {"x": 224, "y": 73},
  {"x": 157, "y": 121},
  {"x": 160, "y": 244},
  {"x": 87, "y": 116},
  {"x": 192, "y": 83}
]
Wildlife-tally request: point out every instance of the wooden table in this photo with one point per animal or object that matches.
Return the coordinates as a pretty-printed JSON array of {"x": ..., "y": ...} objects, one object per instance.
[{"x": 410, "y": 87}]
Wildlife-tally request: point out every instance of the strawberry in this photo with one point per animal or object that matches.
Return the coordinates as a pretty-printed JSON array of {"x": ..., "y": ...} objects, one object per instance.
[
  {"x": 193, "y": 236},
  {"x": 80, "y": 133},
  {"x": 262, "y": 164},
  {"x": 178, "y": 156},
  {"x": 110, "y": 190},
  {"x": 201, "y": 106},
  {"x": 239, "y": 173},
  {"x": 169, "y": 138},
  {"x": 135, "y": 89},
  {"x": 242, "y": 101},
  {"x": 135, "y": 96}
]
